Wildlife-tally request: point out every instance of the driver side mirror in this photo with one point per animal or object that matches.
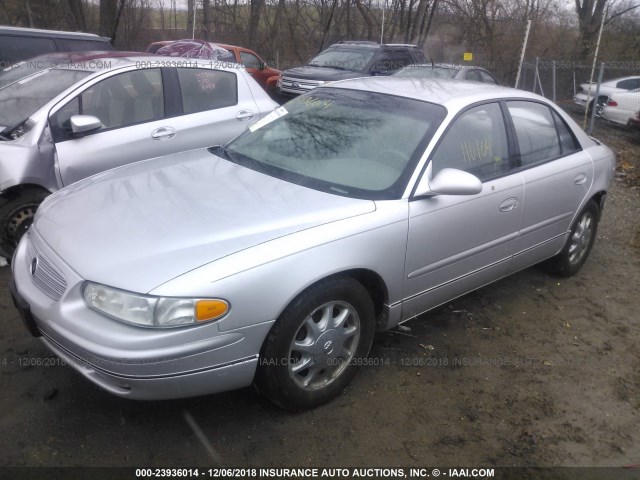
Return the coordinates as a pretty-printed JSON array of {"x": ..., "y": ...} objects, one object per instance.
[
  {"x": 84, "y": 124},
  {"x": 448, "y": 181}
]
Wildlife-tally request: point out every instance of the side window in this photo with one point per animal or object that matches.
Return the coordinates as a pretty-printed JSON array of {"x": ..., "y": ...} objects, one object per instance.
[
  {"x": 486, "y": 78},
  {"x": 476, "y": 142},
  {"x": 204, "y": 89},
  {"x": 125, "y": 99},
  {"x": 249, "y": 61},
  {"x": 76, "y": 45},
  {"x": 568, "y": 142},
  {"x": 629, "y": 84},
  {"x": 13, "y": 48},
  {"x": 119, "y": 101},
  {"x": 536, "y": 132},
  {"x": 392, "y": 61}
]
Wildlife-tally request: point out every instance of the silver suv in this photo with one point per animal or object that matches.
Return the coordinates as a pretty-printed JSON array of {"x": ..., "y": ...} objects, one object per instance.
[{"x": 72, "y": 120}]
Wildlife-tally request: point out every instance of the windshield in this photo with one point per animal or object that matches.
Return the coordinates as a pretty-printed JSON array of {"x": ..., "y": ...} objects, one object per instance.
[
  {"x": 22, "y": 99},
  {"x": 354, "y": 60},
  {"x": 347, "y": 142},
  {"x": 427, "y": 71}
]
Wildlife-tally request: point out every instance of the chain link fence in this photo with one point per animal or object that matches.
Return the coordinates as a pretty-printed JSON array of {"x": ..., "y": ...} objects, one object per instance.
[{"x": 561, "y": 81}]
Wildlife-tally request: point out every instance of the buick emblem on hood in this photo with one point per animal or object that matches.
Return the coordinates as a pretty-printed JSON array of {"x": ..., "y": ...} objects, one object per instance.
[{"x": 34, "y": 266}]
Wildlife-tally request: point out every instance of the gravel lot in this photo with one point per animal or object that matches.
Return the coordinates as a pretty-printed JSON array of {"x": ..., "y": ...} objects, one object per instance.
[{"x": 530, "y": 371}]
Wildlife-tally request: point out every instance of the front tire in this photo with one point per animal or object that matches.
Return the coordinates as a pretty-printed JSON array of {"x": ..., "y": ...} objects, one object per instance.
[
  {"x": 312, "y": 351},
  {"x": 581, "y": 237},
  {"x": 16, "y": 215}
]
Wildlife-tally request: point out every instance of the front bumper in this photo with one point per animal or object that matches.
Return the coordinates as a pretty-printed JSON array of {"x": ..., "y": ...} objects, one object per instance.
[{"x": 129, "y": 361}]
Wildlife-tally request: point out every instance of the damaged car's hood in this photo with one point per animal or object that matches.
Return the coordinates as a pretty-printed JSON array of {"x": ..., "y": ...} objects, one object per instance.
[{"x": 138, "y": 226}]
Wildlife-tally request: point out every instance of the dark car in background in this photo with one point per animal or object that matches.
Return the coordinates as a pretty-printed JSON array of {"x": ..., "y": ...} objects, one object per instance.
[
  {"x": 21, "y": 43},
  {"x": 349, "y": 59}
]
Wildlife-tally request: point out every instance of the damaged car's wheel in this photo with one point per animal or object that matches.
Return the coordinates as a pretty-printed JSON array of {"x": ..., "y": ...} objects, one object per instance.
[
  {"x": 16, "y": 215},
  {"x": 312, "y": 352}
]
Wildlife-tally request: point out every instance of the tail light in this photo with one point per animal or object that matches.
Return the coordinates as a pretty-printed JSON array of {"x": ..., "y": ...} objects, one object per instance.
[{"x": 612, "y": 103}]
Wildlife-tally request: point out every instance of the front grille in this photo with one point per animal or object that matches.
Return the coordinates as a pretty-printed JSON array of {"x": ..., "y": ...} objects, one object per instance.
[
  {"x": 299, "y": 84},
  {"x": 44, "y": 275}
]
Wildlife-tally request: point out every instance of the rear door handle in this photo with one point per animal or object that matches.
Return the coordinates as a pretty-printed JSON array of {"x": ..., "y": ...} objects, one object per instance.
[
  {"x": 243, "y": 115},
  {"x": 163, "y": 133},
  {"x": 580, "y": 179},
  {"x": 509, "y": 204}
]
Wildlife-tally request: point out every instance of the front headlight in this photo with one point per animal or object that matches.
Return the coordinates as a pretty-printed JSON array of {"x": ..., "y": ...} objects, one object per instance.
[{"x": 150, "y": 311}]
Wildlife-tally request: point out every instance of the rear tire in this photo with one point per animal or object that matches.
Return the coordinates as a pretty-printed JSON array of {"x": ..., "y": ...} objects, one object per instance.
[
  {"x": 314, "y": 349},
  {"x": 581, "y": 237}
]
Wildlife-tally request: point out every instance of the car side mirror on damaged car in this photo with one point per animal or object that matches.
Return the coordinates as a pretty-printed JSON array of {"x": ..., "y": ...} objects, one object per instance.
[
  {"x": 84, "y": 124},
  {"x": 448, "y": 181}
]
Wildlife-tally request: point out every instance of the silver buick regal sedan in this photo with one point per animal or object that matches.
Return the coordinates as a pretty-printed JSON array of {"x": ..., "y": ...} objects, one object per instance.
[
  {"x": 65, "y": 117},
  {"x": 273, "y": 259}
]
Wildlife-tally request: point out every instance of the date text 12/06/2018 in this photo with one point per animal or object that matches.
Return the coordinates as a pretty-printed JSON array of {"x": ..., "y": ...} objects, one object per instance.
[{"x": 304, "y": 473}]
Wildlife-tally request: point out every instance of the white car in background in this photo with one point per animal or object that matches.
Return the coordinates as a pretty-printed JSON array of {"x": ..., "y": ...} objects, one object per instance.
[
  {"x": 622, "y": 106},
  {"x": 584, "y": 98}
]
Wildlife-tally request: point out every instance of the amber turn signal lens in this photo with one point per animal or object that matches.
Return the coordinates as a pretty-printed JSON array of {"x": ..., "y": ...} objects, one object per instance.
[{"x": 210, "y": 309}]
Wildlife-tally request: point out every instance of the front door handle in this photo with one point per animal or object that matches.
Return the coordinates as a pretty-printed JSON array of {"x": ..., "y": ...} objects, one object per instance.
[
  {"x": 243, "y": 115},
  {"x": 509, "y": 204},
  {"x": 163, "y": 133}
]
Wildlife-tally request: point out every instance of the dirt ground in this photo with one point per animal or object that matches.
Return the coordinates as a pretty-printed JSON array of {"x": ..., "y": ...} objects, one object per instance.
[{"x": 530, "y": 371}]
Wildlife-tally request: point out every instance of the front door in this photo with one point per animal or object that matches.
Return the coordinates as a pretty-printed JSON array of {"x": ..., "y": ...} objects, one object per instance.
[{"x": 457, "y": 243}]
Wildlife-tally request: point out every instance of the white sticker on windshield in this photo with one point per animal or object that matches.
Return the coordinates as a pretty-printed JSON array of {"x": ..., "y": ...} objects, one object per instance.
[{"x": 277, "y": 113}]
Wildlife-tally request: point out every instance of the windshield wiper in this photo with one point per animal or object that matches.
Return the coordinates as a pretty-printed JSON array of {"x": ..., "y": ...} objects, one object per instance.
[{"x": 220, "y": 151}]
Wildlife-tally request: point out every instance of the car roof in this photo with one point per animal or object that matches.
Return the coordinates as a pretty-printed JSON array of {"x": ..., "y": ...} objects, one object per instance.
[
  {"x": 451, "y": 93},
  {"x": 36, "y": 32},
  {"x": 613, "y": 80},
  {"x": 371, "y": 45}
]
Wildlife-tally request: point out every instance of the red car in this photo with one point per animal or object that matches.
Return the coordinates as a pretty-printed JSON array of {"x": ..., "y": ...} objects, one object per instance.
[{"x": 266, "y": 76}]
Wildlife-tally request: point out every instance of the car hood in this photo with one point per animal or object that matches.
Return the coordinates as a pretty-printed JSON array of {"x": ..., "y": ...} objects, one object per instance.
[
  {"x": 141, "y": 225},
  {"x": 321, "y": 73}
]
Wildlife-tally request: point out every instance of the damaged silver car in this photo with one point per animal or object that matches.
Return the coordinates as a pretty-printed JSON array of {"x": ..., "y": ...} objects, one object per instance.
[
  {"x": 272, "y": 260},
  {"x": 62, "y": 122}
]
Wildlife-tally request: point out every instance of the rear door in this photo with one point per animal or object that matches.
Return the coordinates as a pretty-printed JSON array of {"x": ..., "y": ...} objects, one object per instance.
[
  {"x": 216, "y": 105},
  {"x": 557, "y": 176}
]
